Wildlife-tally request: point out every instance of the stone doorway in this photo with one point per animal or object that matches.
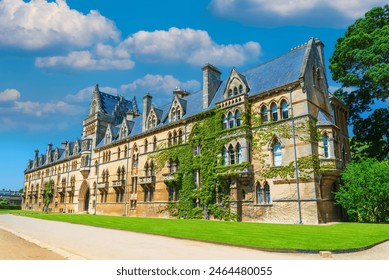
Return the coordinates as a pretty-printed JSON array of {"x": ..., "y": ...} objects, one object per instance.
[{"x": 84, "y": 197}]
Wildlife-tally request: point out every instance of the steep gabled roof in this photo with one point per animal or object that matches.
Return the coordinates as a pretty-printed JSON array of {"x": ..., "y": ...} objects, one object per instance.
[
  {"x": 323, "y": 119},
  {"x": 109, "y": 102}
]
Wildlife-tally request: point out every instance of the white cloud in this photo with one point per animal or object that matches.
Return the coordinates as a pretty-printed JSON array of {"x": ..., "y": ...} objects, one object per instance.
[
  {"x": 159, "y": 84},
  {"x": 9, "y": 95},
  {"x": 335, "y": 13},
  {"x": 38, "y": 24},
  {"x": 39, "y": 109},
  {"x": 102, "y": 59},
  {"x": 86, "y": 94},
  {"x": 16, "y": 114},
  {"x": 174, "y": 45},
  {"x": 187, "y": 45}
]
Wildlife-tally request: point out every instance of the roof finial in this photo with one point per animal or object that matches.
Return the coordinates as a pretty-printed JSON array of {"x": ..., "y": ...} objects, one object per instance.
[{"x": 97, "y": 88}]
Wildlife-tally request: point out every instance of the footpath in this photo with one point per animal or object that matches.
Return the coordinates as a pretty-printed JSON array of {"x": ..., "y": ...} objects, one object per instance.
[{"x": 30, "y": 238}]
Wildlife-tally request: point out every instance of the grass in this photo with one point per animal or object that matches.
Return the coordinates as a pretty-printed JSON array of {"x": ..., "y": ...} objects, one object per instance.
[{"x": 342, "y": 236}]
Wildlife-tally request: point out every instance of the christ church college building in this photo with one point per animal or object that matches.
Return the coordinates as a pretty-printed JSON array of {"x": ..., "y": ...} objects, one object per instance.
[{"x": 228, "y": 151}]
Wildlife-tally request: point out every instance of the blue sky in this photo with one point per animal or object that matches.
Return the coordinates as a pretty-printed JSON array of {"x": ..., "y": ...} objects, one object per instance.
[{"x": 52, "y": 53}]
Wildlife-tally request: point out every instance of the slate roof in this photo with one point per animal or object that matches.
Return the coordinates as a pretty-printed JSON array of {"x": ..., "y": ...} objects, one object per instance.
[
  {"x": 108, "y": 102},
  {"x": 323, "y": 119}
]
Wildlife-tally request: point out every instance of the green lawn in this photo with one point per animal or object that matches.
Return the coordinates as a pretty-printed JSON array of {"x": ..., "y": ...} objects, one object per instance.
[{"x": 343, "y": 236}]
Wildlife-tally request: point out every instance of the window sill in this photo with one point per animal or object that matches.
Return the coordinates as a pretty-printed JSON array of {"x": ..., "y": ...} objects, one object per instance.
[{"x": 263, "y": 205}]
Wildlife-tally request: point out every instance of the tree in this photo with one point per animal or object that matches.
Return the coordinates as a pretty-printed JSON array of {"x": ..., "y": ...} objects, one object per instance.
[
  {"x": 361, "y": 64},
  {"x": 372, "y": 136},
  {"x": 364, "y": 193},
  {"x": 4, "y": 201},
  {"x": 47, "y": 195}
]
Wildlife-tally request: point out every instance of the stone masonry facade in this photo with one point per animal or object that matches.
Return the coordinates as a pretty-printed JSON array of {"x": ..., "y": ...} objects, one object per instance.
[{"x": 110, "y": 170}]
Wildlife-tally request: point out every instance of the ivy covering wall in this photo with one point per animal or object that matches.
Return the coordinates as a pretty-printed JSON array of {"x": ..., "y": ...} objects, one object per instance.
[{"x": 212, "y": 198}]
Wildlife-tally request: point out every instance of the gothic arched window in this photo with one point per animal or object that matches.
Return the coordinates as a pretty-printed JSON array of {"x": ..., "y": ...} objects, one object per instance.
[
  {"x": 231, "y": 154},
  {"x": 239, "y": 153},
  {"x": 284, "y": 109},
  {"x": 230, "y": 120},
  {"x": 274, "y": 113},
  {"x": 237, "y": 118},
  {"x": 225, "y": 156},
  {"x": 277, "y": 155},
  {"x": 224, "y": 121},
  {"x": 325, "y": 145},
  {"x": 264, "y": 115}
]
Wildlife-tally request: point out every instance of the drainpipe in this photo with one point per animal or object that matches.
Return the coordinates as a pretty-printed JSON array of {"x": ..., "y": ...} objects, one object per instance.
[
  {"x": 66, "y": 186},
  {"x": 126, "y": 183},
  {"x": 97, "y": 182},
  {"x": 295, "y": 158}
]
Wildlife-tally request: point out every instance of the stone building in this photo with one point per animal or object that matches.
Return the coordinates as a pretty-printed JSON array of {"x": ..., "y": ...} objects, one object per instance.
[
  {"x": 13, "y": 197},
  {"x": 265, "y": 116}
]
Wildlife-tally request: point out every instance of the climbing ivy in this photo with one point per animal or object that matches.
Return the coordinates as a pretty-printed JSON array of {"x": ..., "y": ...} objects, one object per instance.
[
  {"x": 264, "y": 135},
  {"x": 212, "y": 198},
  {"x": 48, "y": 195}
]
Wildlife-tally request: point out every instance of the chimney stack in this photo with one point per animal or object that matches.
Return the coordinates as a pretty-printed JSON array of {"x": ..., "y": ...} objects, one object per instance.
[
  {"x": 211, "y": 82},
  {"x": 146, "y": 108}
]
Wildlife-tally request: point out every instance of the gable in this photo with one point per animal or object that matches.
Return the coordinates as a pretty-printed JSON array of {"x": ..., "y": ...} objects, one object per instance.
[{"x": 236, "y": 84}]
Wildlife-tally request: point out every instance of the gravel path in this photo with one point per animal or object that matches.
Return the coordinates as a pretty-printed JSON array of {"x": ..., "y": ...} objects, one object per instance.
[{"x": 73, "y": 241}]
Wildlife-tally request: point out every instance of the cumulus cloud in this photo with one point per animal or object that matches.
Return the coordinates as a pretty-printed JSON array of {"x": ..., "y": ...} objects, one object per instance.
[
  {"x": 38, "y": 24},
  {"x": 86, "y": 94},
  {"x": 43, "y": 108},
  {"x": 175, "y": 45},
  {"x": 16, "y": 113},
  {"x": 9, "y": 95},
  {"x": 85, "y": 60},
  {"x": 159, "y": 84},
  {"x": 335, "y": 13},
  {"x": 187, "y": 45}
]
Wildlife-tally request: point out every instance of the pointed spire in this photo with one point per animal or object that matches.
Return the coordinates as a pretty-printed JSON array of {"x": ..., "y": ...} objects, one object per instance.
[
  {"x": 97, "y": 90},
  {"x": 134, "y": 105}
]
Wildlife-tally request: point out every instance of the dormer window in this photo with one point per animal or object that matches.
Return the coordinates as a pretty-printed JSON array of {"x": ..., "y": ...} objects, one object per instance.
[
  {"x": 235, "y": 91},
  {"x": 240, "y": 89},
  {"x": 108, "y": 138},
  {"x": 123, "y": 132},
  {"x": 75, "y": 150},
  {"x": 175, "y": 114},
  {"x": 151, "y": 121}
]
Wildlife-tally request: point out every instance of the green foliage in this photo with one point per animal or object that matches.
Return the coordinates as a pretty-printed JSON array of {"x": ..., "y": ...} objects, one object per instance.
[
  {"x": 4, "y": 201},
  {"x": 372, "y": 135},
  {"x": 10, "y": 208},
  {"x": 48, "y": 195},
  {"x": 305, "y": 131},
  {"x": 361, "y": 64},
  {"x": 199, "y": 201},
  {"x": 364, "y": 192}
]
